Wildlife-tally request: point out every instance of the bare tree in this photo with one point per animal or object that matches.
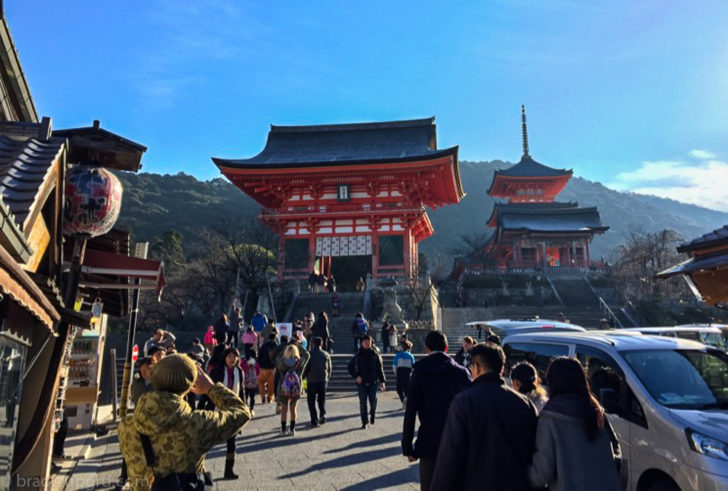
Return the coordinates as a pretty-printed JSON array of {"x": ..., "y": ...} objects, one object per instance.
[{"x": 640, "y": 258}]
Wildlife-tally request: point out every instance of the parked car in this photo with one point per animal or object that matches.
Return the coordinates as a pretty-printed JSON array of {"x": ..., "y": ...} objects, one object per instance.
[
  {"x": 702, "y": 333},
  {"x": 506, "y": 327},
  {"x": 666, "y": 397}
]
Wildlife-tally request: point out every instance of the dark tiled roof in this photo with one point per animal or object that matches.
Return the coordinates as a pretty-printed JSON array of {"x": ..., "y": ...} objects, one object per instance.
[
  {"x": 551, "y": 220},
  {"x": 696, "y": 264},
  {"x": 345, "y": 144},
  {"x": 529, "y": 207},
  {"x": 93, "y": 143},
  {"x": 527, "y": 167},
  {"x": 715, "y": 238},
  {"x": 553, "y": 205},
  {"x": 24, "y": 167}
]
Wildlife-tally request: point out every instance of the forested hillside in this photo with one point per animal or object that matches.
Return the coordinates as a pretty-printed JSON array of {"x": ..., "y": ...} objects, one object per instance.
[{"x": 154, "y": 204}]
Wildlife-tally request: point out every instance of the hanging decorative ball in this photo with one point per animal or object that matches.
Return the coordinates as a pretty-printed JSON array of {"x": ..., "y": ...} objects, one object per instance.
[{"x": 93, "y": 201}]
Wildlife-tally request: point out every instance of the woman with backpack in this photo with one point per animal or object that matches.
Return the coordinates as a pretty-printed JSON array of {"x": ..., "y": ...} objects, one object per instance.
[
  {"x": 231, "y": 376},
  {"x": 575, "y": 445},
  {"x": 251, "y": 369},
  {"x": 250, "y": 342},
  {"x": 289, "y": 387}
]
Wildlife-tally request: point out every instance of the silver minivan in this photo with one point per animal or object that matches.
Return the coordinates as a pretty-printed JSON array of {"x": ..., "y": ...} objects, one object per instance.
[
  {"x": 707, "y": 335},
  {"x": 667, "y": 399}
]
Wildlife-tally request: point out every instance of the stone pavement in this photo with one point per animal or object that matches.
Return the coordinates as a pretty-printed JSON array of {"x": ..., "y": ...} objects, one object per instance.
[{"x": 337, "y": 455}]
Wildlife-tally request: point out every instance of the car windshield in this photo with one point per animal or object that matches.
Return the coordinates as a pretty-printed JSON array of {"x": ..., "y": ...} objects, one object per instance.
[
  {"x": 683, "y": 379},
  {"x": 713, "y": 339}
]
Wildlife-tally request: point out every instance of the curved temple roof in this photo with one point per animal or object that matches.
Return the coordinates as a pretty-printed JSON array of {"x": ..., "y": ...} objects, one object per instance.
[
  {"x": 394, "y": 141},
  {"x": 551, "y": 220}
]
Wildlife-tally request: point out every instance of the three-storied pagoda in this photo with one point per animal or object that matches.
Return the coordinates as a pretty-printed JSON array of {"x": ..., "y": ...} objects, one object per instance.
[
  {"x": 349, "y": 199},
  {"x": 532, "y": 229}
]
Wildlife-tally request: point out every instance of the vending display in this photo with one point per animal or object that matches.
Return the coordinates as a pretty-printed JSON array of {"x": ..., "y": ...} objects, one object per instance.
[{"x": 84, "y": 373}]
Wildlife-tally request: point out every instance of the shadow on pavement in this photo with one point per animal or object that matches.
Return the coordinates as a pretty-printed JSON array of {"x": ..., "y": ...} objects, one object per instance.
[
  {"x": 410, "y": 474},
  {"x": 382, "y": 440},
  {"x": 347, "y": 460}
]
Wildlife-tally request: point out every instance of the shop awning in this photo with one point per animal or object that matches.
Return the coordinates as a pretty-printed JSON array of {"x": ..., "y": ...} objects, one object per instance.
[
  {"x": 17, "y": 284},
  {"x": 102, "y": 270}
]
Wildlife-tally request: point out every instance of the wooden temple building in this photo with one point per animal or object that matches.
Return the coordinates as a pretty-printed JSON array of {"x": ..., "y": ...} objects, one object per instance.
[
  {"x": 531, "y": 228},
  {"x": 349, "y": 199},
  {"x": 706, "y": 269}
]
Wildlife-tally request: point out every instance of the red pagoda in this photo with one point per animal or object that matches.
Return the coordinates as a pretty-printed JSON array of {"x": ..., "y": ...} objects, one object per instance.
[
  {"x": 532, "y": 229},
  {"x": 349, "y": 199}
]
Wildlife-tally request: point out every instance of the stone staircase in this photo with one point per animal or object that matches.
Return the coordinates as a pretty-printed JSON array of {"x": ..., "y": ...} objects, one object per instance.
[
  {"x": 341, "y": 381},
  {"x": 575, "y": 292},
  {"x": 339, "y": 327}
]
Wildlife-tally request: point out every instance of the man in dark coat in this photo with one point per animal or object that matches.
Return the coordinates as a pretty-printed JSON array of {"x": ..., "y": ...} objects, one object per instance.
[
  {"x": 462, "y": 357},
  {"x": 434, "y": 382},
  {"x": 317, "y": 374},
  {"x": 366, "y": 368},
  {"x": 221, "y": 329},
  {"x": 489, "y": 432}
]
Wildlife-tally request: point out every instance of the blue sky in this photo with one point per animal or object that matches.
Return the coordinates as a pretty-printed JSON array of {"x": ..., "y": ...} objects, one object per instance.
[{"x": 631, "y": 94}]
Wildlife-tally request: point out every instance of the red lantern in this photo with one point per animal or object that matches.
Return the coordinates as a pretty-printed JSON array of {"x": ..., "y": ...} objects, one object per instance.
[{"x": 93, "y": 201}]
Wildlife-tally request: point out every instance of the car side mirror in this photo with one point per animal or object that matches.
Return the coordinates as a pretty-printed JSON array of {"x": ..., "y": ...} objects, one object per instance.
[{"x": 609, "y": 400}]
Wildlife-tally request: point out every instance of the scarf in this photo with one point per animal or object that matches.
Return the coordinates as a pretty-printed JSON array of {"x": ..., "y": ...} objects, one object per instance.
[{"x": 233, "y": 384}]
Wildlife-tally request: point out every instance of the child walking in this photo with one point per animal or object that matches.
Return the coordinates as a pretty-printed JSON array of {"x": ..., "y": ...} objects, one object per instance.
[{"x": 403, "y": 363}]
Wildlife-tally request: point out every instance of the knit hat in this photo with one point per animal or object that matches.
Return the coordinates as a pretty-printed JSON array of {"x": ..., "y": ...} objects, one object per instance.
[{"x": 175, "y": 373}]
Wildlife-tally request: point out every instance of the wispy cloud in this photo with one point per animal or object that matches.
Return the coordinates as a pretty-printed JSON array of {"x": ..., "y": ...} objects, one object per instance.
[
  {"x": 702, "y": 154},
  {"x": 702, "y": 180},
  {"x": 187, "y": 36}
]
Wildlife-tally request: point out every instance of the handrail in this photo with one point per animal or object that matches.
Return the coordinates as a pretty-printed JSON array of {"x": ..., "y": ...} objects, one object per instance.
[{"x": 605, "y": 308}]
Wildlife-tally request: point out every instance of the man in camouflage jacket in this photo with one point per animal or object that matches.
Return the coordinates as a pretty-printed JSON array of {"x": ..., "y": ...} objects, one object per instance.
[{"x": 179, "y": 436}]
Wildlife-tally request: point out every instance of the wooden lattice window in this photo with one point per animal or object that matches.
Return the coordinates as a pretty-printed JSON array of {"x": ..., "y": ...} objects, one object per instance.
[
  {"x": 297, "y": 253},
  {"x": 391, "y": 250}
]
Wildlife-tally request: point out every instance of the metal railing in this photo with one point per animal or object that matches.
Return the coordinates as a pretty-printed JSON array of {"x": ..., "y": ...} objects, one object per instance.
[{"x": 608, "y": 312}]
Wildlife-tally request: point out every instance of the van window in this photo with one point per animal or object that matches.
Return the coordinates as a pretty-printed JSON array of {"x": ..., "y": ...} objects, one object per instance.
[
  {"x": 538, "y": 354},
  {"x": 683, "y": 379},
  {"x": 604, "y": 374}
]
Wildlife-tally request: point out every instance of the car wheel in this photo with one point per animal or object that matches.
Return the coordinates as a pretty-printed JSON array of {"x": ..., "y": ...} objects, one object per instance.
[{"x": 663, "y": 484}]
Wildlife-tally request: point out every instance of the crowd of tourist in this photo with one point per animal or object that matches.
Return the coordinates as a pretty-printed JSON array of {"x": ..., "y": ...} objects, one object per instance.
[{"x": 475, "y": 430}]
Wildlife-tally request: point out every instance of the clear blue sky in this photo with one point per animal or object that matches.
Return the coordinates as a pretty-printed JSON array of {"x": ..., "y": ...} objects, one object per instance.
[{"x": 632, "y": 94}]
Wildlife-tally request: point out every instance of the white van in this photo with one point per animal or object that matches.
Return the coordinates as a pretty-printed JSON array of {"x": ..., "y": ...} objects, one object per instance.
[
  {"x": 506, "y": 327},
  {"x": 708, "y": 335},
  {"x": 667, "y": 399}
]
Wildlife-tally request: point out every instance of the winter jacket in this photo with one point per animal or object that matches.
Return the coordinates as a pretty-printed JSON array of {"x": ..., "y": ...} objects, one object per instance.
[
  {"x": 462, "y": 358},
  {"x": 258, "y": 322},
  {"x": 359, "y": 327},
  {"x": 250, "y": 337},
  {"x": 565, "y": 459},
  {"x": 236, "y": 323},
  {"x": 166, "y": 342},
  {"x": 139, "y": 387},
  {"x": 320, "y": 328},
  {"x": 180, "y": 437},
  {"x": 434, "y": 382},
  {"x": 403, "y": 359},
  {"x": 266, "y": 355},
  {"x": 367, "y": 364},
  {"x": 488, "y": 439},
  {"x": 221, "y": 328},
  {"x": 319, "y": 367},
  {"x": 218, "y": 375}
]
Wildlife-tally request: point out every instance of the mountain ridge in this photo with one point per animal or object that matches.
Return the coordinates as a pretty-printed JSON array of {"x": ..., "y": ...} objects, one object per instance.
[{"x": 156, "y": 203}]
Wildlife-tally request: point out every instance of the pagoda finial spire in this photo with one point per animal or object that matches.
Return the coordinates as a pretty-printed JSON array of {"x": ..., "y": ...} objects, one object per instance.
[{"x": 524, "y": 129}]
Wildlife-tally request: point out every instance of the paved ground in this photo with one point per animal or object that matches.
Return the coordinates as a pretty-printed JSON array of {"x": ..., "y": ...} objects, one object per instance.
[{"x": 338, "y": 455}]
